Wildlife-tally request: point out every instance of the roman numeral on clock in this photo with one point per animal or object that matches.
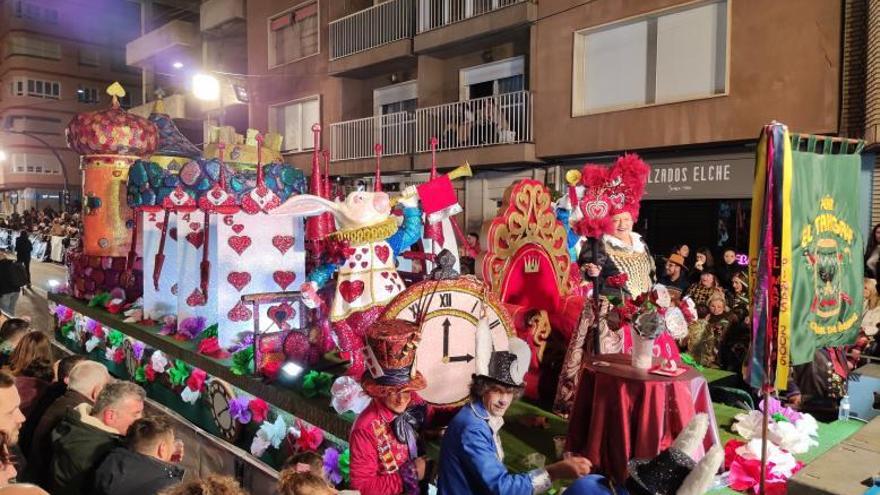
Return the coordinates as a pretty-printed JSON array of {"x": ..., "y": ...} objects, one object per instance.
[
  {"x": 494, "y": 324},
  {"x": 446, "y": 300}
]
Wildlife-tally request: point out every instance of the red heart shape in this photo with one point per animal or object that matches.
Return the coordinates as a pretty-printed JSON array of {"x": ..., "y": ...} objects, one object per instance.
[
  {"x": 283, "y": 279},
  {"x": 196, "y": 298},
  {"x": 283, "y": 243},
  {"x": 597, "y": 209},
  {"x": 239, "y": 312},
  {"x": 385, "y": 274},
  {"x": 351, "y": 290},
  {"x": 238, "y": 279},
  {"x": 195, "y": 226},
  {"x": 196, "y": 238},
  {"x": 383, "y": 252},
  {"x": 160, "y": 225},
  {"x": 237, "y": 228},
  {"x": 358, "y": 257},
  {"x": 617, "y": 199},
  {"x": 280, "y": 314},
  {"x": 364, "y": 264},
  {"x": 172, "y": 232},
  {"x": 239, "y": 243}
]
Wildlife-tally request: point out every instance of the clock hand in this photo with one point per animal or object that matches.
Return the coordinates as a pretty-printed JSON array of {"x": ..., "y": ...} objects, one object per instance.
[
  {"x": 446, "y": 325},
  {"x": 466, "y": 358}
]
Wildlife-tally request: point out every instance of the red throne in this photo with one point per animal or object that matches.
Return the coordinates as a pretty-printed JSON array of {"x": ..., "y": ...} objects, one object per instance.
[{"x": 527, "y": 264}]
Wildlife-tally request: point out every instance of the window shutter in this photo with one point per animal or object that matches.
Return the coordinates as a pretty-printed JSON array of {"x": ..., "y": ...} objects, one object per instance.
[{"x": 281, "y": 22}]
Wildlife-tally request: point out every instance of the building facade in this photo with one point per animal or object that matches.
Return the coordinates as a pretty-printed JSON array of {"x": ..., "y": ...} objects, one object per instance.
[
  {"x": 57, "y": 60},
  {"x": 530, "y": 89}
]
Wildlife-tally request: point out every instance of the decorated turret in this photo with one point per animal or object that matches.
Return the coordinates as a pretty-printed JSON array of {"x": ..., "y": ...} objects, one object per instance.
[{"x": 109, "y": 141}]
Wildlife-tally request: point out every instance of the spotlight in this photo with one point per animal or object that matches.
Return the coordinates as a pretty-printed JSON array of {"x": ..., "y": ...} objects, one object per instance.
[
  {"x": 177, "y": 65},
  {"x": 291, "y": 370},
  {"x": 54, "y": 283},
  {"x": 206, "y": 87}
]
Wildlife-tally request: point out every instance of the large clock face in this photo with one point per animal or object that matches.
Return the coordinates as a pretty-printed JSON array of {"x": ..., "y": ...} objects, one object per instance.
[{"x": 446, "y": 351}]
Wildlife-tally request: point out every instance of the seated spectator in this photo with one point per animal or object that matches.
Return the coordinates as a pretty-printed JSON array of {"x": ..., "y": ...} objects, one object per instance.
[
  {"x": 213, "y": 484},
  {"x": 11, "y": 333},
  {"x": 55, "y": 390},
  {"x": 31, "y": 364},
  {"x": 88, "y": 433},
  {"x": 705, "y": 289},
  {"x": 675, "y": 273},
  {"x": 146, "y": 465},
  {"x": 707, "y": 336},
  {"x": 87, "y": 380}
]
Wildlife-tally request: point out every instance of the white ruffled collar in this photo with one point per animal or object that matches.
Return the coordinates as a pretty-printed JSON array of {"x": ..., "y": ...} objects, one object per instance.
[{"x": 638, "y": 245}]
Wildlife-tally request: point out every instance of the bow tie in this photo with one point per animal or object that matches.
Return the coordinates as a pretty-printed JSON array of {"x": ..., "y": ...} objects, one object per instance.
[{"x": 405, "y": 426}]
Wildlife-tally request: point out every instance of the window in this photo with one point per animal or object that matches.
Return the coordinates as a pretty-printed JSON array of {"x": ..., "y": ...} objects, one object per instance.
[
  {"x": 88, "y": 55},
  {"x": 35, "y": 12},
  {"x": 294, "y": 122},
  {"x": 87, "y": 95},
  {"x": 36, "y": 124},
  {"x": 495, "y": 78},
  {"x": 33, "y": 47},
  {"x": 33, "y": 163},
  {"x": 660, "y": 58},
  {"x": 293, "y": 35},
  {"x": 22, "y": 86}
]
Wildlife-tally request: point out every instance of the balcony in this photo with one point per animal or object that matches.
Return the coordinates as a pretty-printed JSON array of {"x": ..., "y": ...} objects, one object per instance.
[
  {"x": 174, "y": 40},
  {"x": 217, "y": 15},
  {"x": 501, "y": 124},
  {"x": 461, "y": 25},
  {"x": 373, "y": 41}
]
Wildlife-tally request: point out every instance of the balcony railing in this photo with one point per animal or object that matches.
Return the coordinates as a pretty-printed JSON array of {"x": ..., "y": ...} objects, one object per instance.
[
  {"x": 355, "y": 139},
  {"x": 438, "y": 13},
  {"x": 500, "y": 119},
  {"x": 372, "y": 27}
]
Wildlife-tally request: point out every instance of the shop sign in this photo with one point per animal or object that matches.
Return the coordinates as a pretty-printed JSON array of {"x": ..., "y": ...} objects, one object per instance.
[{"x": 716, "y": 177}]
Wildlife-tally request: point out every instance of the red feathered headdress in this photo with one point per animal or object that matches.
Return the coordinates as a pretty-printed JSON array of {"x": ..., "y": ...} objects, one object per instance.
[{"x": 609, "y": 191}]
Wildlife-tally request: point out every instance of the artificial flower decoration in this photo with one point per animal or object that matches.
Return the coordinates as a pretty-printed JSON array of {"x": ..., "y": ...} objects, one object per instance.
[
  {"x": 137, "y": 350},
  {"x": 100, "y": 300},
  {"x": 210, "y": 346},
  {"x": 63, "y": 313},
  {"x": 259, "y": 410},
  {"x": 178, "y": 373},
  {"x": 273, "y": 432},
  {"x": 133, "y": 315},
  {"x": 140, "y": 374},
  {"x": 67, "y": 329},
  {"x": 243, "y": 362},
  {"x": 109, "y": 354},
  {"x": 245, "y": 341},
  {"x": 347, "y": 395},
  {"x": 115, "y": 338},
  {"x": 331, "y": 465},
  {"x": 788, "y": 429},
  {"x": 114, "y": 306},
  {"x": 118, "y": 355},
  {"x": 310, "y": 437},
  {"x": 92, "y": 343},
  {"x": 159, "y": 362},
  {"x": 190, "y": 328},
  {"x": 169, "y": 325},
  {"x": 617, "y": 281},
  {"x": 196, "y": 380},
  {"x": 259, "y": 445},
  {"x": 94, "y": 328},
  {"x": 316, "y": 382},
  {"x": 345, "y": 464},
  {"x": 744, "y": 462},
  {"x": 189, "y": 395},
  {"x": 238, "y": 409},
  {"x": 150, "y": 373},
  {"x": 270, "y": 369}
]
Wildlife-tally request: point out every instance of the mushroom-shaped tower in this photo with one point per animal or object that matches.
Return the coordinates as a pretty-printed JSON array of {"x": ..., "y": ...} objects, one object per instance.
[{"x": 109, "y": 141}]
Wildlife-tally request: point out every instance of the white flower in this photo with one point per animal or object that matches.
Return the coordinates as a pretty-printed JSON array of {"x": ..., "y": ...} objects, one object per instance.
[
  {"x": 189, "y": 395},
  {"x": 109, "y": 353},
  {"x": 784, "y": 462},
  {"x": 663, "y": 299},
  {"x": 159, "y": 362},
  {"x": 92, "y": 343},
  {"x": 347, "y": 395},
  {"x": 807, "y": 425},
  {"x": 748, "y": 425},
  {"x": 259, "y": 446},
  {"x": 676, "y": 325},
  {"x": 273, "y": 433}
]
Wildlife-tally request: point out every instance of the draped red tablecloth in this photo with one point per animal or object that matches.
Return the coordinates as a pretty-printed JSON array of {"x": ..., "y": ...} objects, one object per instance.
[{"x": 621, "y": 413}]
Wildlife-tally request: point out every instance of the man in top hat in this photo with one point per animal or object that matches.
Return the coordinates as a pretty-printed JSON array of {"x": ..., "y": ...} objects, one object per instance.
[
  {"x": 471, "y": 455},
  {"x": 673, "y": 472},
  {"x": 384, "y": 455},
  {"x": 675, "y": 273}
]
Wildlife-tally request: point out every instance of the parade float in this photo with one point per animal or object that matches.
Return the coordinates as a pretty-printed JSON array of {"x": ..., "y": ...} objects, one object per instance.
[{"x": 239, "y": 293}]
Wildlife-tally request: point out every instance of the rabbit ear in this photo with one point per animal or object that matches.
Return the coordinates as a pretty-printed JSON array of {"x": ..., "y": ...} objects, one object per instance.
[
  {"x": 306, "y": 205},
  {"x": 689, "y": 440},
  {"x": 701, "y": 477}
]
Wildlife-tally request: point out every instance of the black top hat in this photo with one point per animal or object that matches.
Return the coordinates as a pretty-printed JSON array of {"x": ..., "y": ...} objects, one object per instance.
[{"x": 662, "y": 475}]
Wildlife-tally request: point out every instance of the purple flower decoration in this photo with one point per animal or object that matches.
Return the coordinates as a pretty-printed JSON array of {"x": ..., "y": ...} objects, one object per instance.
[
  {"x": 246, "y": 339},
  {"x": 775, "y": 407},
  {"x": 137, "y": 349},
  {"x": 60, "y": 311},
  {"x": 91, "y": 326},
  {"x": 239, "y": 411},
  {"x": 331, "y": 465},
  {"x": 191, "y": 327},
  {"x": 169, "y": 326}
]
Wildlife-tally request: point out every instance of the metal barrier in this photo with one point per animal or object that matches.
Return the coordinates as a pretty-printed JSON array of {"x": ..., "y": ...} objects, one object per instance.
[
  {"x": 438, "y": 13},
  {"x": 355, "y": 139}
]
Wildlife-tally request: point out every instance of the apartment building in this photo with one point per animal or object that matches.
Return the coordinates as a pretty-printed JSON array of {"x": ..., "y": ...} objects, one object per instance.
[
  {"x": 520, "y": 88},
  {"x": 57, "y": 60}
]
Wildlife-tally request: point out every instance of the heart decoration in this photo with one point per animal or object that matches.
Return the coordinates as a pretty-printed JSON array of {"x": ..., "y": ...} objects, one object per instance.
[
  {"x": 617, "y": 199},
  {"x": 383, "y": 252},
  {"x": 196, "y": 298},
  {"x": 364, "y": 264},
  {"x": 385, "y": 274},
  {"x": 238, "y": 279},
  {"x": 239, "y": 243},
  {"x": 283, "y": 278},
  {"x": 283, "y": 243},
  {"x": 261, "y": 198},
  {"x": 172, "y": 232},
  {"x": 237, "y": 228},
  {"x": 195, "y": 226},
  {"x": 280, "y": 314},
  {"x": 196, "y": 238},
  {"x": 596, "y": 209},
  {"x": 160, "y": 225},
  {"x": 351, "y": 290},
  {"x": 240, "y": 312}
]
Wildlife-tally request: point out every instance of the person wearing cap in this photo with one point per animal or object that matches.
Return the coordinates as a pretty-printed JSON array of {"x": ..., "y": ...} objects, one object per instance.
[
  {"x": 384, "y": 454},
  {"x": 471, "y": 454},
  {"x": 675, "y": 271},
  {"x": 672, "y": 472}
]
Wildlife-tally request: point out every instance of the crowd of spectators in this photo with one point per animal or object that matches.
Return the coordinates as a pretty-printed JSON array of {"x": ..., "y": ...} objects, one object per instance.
[
  {"x": 45, "y": 222},
  {"x": 67, "y": 427}
]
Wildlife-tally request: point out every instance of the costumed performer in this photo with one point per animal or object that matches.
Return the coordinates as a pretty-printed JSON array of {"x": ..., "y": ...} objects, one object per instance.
[
  {"x": 471, "y": 454},
  {"x": 673, "y": 471},
  {"x": 384, "y": 453},
  {"x": 365, "y": 246}
]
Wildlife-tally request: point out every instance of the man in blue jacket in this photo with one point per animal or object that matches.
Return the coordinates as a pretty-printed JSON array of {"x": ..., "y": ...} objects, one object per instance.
[{"x": 471, "y": 456}]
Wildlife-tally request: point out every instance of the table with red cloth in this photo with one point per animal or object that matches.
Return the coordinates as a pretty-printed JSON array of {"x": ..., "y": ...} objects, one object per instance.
[{"x": 621, "y": 412}]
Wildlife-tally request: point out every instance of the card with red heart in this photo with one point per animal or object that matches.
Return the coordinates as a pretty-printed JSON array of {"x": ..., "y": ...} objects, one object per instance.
[
  {"x": 192, "y": 301},
  {"x": 158, "y": 298}
]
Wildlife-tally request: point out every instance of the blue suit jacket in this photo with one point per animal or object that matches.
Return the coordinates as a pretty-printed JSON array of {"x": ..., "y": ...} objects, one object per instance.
[{"x": 469, "y": 463}]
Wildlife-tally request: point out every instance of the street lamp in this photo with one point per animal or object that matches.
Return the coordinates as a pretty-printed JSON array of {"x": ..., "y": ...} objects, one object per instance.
[{"x": 206, "y": 87}]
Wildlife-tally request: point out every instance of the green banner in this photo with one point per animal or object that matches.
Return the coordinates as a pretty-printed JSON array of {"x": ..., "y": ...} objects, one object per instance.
[{"x": 825, "y": 297}]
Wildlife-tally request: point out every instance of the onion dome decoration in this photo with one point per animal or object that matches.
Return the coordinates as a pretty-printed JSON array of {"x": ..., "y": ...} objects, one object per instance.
[{"x": 112, "y": 131}]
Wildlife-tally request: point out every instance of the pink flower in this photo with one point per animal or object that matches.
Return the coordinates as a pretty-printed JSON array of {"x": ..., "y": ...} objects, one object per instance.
[
  {"x": 196, "y": 380},
  {"x": 259, "y": 410},
  {"x": 150, "y": 373}
]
